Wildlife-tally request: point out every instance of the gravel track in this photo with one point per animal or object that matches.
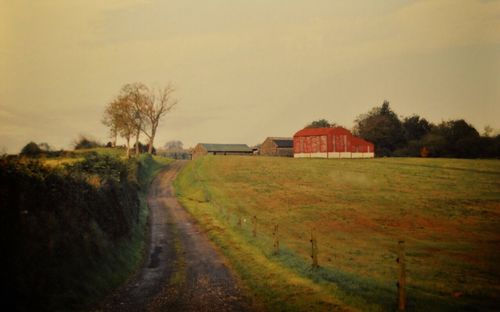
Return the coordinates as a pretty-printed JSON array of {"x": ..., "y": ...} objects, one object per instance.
[{"x": 184, "y": 271}]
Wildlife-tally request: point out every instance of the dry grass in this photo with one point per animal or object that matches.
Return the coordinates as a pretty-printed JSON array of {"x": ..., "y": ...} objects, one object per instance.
[
  {"x": 57, "y": 162},
  {"x": 447, "y": 211}
]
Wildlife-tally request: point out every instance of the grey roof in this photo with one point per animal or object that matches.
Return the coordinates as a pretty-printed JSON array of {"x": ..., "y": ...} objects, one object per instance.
[
  {"x": 210, "y": 147},
  {"x": 283, "y": 142}
]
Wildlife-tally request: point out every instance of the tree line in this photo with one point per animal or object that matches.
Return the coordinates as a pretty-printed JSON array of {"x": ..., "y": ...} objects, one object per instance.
[
  {"x": 137, "y": 110},
  {"x": 415, "y": 136}
]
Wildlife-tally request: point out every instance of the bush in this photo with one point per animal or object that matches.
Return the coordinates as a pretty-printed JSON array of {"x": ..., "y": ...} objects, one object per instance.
[
  {"x": 107, "y": 167},
  {"x": 31, "y": 150},
  {"x": 56, "y": 226},
  {"x": 84, "y": 143}
]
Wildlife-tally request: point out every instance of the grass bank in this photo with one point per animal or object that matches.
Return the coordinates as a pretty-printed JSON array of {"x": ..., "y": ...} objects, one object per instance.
[
  {"x": 446, "y": 210},
  {"x": 71, "y": 231}
]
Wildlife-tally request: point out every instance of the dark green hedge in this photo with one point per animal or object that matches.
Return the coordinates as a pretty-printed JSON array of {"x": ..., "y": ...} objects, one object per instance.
[{"x": 56, "y": 224}]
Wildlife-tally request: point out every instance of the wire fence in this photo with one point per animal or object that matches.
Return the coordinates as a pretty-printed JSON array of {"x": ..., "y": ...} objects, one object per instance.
[{"x": 257, "y": 231}]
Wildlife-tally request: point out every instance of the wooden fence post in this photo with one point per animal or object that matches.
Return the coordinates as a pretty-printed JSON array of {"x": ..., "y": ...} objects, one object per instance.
[
  {"x": 314, "y": 251},
  {"x": 276, "y": 241},
  {"x": 254, "y": 230},
  {"x": 402, "y": 276},
  {"x": 239, "y": 221}
]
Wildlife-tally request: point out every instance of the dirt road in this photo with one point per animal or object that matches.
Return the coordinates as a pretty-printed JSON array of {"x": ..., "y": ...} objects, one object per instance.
[{"x": 184, "y": 271}]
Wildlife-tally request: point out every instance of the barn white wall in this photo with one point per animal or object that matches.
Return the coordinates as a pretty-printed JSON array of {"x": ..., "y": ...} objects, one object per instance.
[{"x": 333, "y": 155}]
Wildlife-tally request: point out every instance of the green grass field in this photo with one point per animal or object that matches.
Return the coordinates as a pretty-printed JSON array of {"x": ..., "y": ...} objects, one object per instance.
[{"x": 446, "y": 210}]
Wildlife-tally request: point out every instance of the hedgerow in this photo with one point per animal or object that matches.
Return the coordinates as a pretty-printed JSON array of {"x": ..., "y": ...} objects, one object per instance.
[{"x": 57, "y": 224}]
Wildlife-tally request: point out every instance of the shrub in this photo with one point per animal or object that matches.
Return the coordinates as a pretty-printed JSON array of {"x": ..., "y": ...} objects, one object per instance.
[
  {"x": 31, "y": 150},
  {"x": 107, "y": 167},
  {"x": 84, "y": 142},
  {"x": 56, "y": 226}
]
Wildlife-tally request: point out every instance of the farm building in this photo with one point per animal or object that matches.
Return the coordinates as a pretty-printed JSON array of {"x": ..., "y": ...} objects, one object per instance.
[
  {"x": 221, "y": 149},
  {"x": 274, "y": 146},
  {"x": 330, "y": 143}
]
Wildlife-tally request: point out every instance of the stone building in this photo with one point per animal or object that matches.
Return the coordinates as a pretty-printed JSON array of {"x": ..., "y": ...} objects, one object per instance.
[
  {"x": 220, "y": 149},
  {"x": 276, "y": 146}
]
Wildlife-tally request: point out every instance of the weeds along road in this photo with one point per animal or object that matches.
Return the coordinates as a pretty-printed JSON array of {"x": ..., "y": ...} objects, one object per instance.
[{"x": 184, "y": 272}]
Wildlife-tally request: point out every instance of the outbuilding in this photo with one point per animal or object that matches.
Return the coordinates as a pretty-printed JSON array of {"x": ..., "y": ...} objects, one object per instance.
[
  {"x": 335, "y": 142},
  {"x": 277, "y": 146},
  {"x": 221, "y": 149}
]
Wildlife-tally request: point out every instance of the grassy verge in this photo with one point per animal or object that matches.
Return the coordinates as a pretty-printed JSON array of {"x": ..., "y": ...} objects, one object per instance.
[{"x": 446, "y": 210}]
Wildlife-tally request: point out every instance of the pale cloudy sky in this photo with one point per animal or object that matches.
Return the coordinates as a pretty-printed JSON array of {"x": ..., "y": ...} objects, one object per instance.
[{"x": 244, "y": 70}]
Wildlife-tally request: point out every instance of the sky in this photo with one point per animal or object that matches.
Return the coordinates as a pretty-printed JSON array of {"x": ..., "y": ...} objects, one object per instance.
[{"x": 244, "y": 70}]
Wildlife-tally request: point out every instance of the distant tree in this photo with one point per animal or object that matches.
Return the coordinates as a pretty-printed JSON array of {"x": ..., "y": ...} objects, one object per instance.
[
  {"x": 136, "y": 97},
  {"x": 120, "y": 117},
  {"x": 175, "y": 149},
  {"x": 415, "y": 127},
  {"x": 84, "y": 142},
  {"x": 138, "y": 109},
  {"x": 126, "y": 114},
  {"x": 3, "y": 151},
  {"x": 490, "y": 146},
  {"x": 454, "y": 138},
  {"x": 31, "y": 150},
  {"x": 488, "y": 130},
  {"x": 45, "y": 147},
  {"x": 143, "y": 148},
  {"x": 159, "y": 102},
  {"x": 109, "y": 119},
  {"x": 321, "y": 123},
  {"x": 435, "y": 144},
  {"x": 464, "y": 139},
  {"x": 459, "y": 129},
  {"x": 173, "y": 145},
  {"x": 382, "y": 127}
]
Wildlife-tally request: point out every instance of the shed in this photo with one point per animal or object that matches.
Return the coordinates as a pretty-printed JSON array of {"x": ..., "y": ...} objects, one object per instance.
[
  {"x": 221, "y": 149},
  {"x": 277, "y": 146},
  {"x": 335, "y": 142}
]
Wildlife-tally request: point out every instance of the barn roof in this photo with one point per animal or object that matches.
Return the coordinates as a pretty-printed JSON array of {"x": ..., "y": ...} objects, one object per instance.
[
  {"x": 213, "y": 147},
  {"x": 282, "y": 142},
  {"x": 359, "y": 141},
  {"x": 322, "y": 131}
]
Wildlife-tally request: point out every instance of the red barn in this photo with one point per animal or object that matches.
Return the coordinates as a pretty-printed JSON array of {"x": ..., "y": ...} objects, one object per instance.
[{"x": 330, "y": 143}]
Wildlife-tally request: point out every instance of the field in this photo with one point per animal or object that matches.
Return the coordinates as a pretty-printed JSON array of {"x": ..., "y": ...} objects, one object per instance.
[{"x": 446, "y": 210}]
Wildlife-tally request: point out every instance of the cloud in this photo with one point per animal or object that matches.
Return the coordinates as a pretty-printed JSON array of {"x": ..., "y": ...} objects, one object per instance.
[{"x": 249, "y": 66}]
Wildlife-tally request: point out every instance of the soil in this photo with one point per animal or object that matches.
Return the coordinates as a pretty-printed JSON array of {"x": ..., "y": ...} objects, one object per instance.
[{"x": 184, "y": 271}]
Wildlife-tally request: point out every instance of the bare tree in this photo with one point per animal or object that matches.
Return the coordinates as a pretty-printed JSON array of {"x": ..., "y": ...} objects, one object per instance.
[
  {"x": 488, "y": 130},
  {"x": 174, "y": 145},
  {"x": 121, "y": 116},
  {"x": 44, "y": 146},
  {"x": 126, "y": 121},
  {"x": 110, "y": 119},
  {"x": 137, "y": 96},
  {"x": 159, "y": 103},
  {"x": 138, "y": 109}
]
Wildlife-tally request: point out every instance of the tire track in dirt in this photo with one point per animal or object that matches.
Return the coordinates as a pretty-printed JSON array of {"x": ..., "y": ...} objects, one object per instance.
[{"x": 184, "y": 272}]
